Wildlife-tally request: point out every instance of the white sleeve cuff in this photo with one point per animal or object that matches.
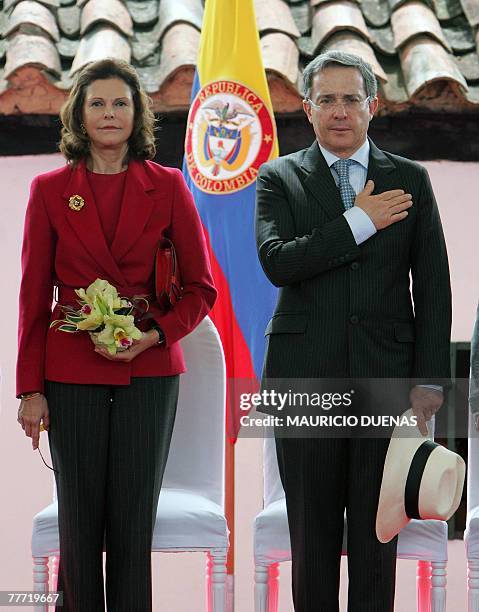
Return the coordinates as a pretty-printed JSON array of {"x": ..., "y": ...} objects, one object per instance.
[{"x": 360, "y": 223}]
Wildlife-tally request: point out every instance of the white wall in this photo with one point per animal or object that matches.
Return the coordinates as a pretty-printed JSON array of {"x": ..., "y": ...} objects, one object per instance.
[{"x": 26, "y": 485}]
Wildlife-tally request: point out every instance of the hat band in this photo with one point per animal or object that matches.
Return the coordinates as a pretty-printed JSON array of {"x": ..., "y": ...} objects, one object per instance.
[{"x": 413, "y": 482}]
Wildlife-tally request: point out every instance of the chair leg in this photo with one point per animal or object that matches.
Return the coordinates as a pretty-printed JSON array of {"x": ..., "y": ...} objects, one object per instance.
[
  {"x": 209, "y": 599},
  {"x": 473, "y": 585},
  {"x": 438, "y": 584},
  {"x": 423, "y": 583},
  {"x": 55, "y": 561},
  {"x": 40, "y": 580},
  {"x": 273, "y": 584},
  {"x": 215, "y": 580},
  {"x": 261, "y": 587}
]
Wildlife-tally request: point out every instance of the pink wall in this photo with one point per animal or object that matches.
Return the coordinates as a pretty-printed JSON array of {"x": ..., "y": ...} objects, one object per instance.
[
  {"x": 456, "y": 186},
  {"x": 26, "y": 485}
]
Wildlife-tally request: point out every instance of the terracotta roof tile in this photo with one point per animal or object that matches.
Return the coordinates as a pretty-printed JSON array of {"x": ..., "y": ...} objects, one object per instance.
[
  {"x": 473, "y": 94},
  {"x": 413, "y": 18},
  {"x": 331, "y": 17},
  {"x": 383, "y": 39},
  {"x": 424, "y": 61},
  {"x": 67, "y": 48},
  {"x": 174, "y": 76},
  {"x": 376, "y": 12},
  {"x": 425, "y": 53},
  {"x": 113, "y": 12},
  {"x": 275, "y": 15},
  {"x": 8, "y": 4},
  {"x": 179, "y": 48},
  {"x": 31, "y": 17},
  {"x": 143, "y": 13},
  {"x": 175, "y": 11},
  {"x": 31, "y": 92},
  {"x": 281, "y": 55},
  {"x": 301, "y": 14},
  {"x": 26, "y": 49},
  {"x": 469, "y": 66},
  {"x": 394, "y": 95},
  {"x": 460, "y": 36},
  {"x": 100, "y": 42},
  {"x": 352, "y": 43},
  {"x": 471, "y": 11},
  {"x": 69, "y": 20},
  {"x": 395, "y": 4},
  {"x": 447, "y": 9}
]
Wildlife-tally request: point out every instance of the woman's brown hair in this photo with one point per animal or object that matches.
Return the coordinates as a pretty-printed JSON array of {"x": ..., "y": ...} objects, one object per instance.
[{"x": 74, "y": 144}]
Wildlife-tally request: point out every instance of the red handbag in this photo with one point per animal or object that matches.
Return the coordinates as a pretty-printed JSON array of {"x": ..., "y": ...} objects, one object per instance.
[{"x": 168, "y": 287}]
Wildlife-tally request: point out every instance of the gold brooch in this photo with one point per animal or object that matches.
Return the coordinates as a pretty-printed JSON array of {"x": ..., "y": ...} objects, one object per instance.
[{"x": 76, "y": 202}]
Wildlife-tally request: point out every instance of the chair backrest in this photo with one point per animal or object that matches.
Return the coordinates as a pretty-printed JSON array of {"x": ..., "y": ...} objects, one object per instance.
[
  {"x": 196, "y": 461},
  {"x": 273, "y": 489},
  {"x": 472, "y": 466}
]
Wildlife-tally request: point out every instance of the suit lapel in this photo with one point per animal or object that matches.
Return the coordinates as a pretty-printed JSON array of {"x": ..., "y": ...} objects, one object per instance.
[
  {"x": 380, "y": 168},
  {"x": 320, "y": 182},
  {"x": 136, "y": 209},
  {"x": 86, "y": 224}
]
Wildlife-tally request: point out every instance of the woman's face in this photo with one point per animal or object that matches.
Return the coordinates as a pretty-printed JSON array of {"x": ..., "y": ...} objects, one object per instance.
[{"x": 108, "y": 113}]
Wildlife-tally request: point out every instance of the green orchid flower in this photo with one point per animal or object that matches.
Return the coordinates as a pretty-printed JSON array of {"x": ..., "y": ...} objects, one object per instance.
[
  {"x": 119, "y": 332},
  {"x": 93, "y": 320}
]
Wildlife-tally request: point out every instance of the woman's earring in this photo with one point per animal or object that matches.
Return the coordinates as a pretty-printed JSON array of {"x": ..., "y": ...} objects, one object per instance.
[{"x": 82, "y": 128}]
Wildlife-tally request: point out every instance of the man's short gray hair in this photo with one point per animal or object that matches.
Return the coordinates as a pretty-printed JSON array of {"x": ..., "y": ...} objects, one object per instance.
[{"x": 319, "y": 63}]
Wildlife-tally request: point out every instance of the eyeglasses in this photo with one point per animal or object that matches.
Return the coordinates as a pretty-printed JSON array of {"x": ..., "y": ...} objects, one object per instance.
[{"x": 326, "y": 103}]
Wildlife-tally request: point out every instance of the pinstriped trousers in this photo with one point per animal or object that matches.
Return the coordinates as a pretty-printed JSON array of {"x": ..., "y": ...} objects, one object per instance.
[
  {"x": 322, "y": 478},
  {"x": 109, "y": 445}
]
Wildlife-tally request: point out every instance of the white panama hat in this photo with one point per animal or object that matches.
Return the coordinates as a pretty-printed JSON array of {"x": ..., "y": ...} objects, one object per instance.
[{"x": 421, "y": 479}]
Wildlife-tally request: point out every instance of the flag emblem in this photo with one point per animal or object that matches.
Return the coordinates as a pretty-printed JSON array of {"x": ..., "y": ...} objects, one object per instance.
[{"x": 230, "y": 134}]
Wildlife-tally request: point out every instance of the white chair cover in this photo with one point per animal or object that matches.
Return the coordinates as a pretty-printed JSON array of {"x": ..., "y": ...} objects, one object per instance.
[
  {"x": 190, "y": 512},
  {"x": 418, "y": 540},
  {"x": 471, "y": 535}
]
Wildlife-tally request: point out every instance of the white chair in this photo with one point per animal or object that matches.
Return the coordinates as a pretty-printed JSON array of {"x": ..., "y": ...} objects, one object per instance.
[
  {"x": 190, "y": 513},
  {"x": 424, "y": 541},
  {"x": 471, "y": 535}
]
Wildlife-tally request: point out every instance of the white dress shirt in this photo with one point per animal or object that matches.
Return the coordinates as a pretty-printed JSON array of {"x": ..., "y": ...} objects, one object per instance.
[{"x": 359, "y": 221}]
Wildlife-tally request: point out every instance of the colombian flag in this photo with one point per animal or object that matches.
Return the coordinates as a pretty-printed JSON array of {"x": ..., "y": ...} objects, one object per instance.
[{"x": 230, "y": 133}]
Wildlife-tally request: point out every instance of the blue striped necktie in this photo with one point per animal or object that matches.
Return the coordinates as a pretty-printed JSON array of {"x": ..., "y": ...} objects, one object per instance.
[{"x": 347, "y": 192}]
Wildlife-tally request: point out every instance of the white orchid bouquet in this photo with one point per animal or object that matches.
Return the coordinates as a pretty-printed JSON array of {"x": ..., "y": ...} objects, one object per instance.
[{"x": 108, "y": 317}]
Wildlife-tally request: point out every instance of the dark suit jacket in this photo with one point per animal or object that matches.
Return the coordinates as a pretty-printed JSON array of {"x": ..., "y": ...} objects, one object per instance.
[
  {"x": 346, "y": 310},
  {"x": 68, "y": 248}
]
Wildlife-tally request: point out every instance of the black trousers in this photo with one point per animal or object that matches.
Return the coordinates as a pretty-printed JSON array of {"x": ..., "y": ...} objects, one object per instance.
[
  {"x": 109, "y": 445},
  {"x": 322, "y": 478}
]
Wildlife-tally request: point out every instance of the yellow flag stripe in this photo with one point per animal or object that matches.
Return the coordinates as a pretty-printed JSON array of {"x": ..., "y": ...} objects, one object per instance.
[{"x": 230, "y": 48}]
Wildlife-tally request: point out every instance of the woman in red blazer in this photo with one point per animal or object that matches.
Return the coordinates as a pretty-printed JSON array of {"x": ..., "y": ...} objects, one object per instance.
[{"x": 109, "y": 418}]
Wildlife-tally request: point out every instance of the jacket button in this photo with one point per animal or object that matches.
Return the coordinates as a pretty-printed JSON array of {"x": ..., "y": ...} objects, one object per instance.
[
  {"x": 354, "y": 319},
  {"x": 355, "y": 265}
]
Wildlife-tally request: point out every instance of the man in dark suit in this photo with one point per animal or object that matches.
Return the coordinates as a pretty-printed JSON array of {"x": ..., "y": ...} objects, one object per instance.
[{"x": 341, "y": 229}]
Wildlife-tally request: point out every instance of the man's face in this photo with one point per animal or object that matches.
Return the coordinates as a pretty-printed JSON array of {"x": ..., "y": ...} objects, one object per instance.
[{"x": 342, "y": 120}]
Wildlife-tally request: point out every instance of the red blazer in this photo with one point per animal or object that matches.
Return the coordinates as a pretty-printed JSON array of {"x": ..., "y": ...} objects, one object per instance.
[{"x": 68, "y": 248}]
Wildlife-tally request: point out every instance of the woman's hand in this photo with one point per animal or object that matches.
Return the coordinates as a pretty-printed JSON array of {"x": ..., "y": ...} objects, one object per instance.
[
  {"x": 148, "y": 339},
  {"x": 30, "y": 414},
  {"x": 476, "y": 417}
]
